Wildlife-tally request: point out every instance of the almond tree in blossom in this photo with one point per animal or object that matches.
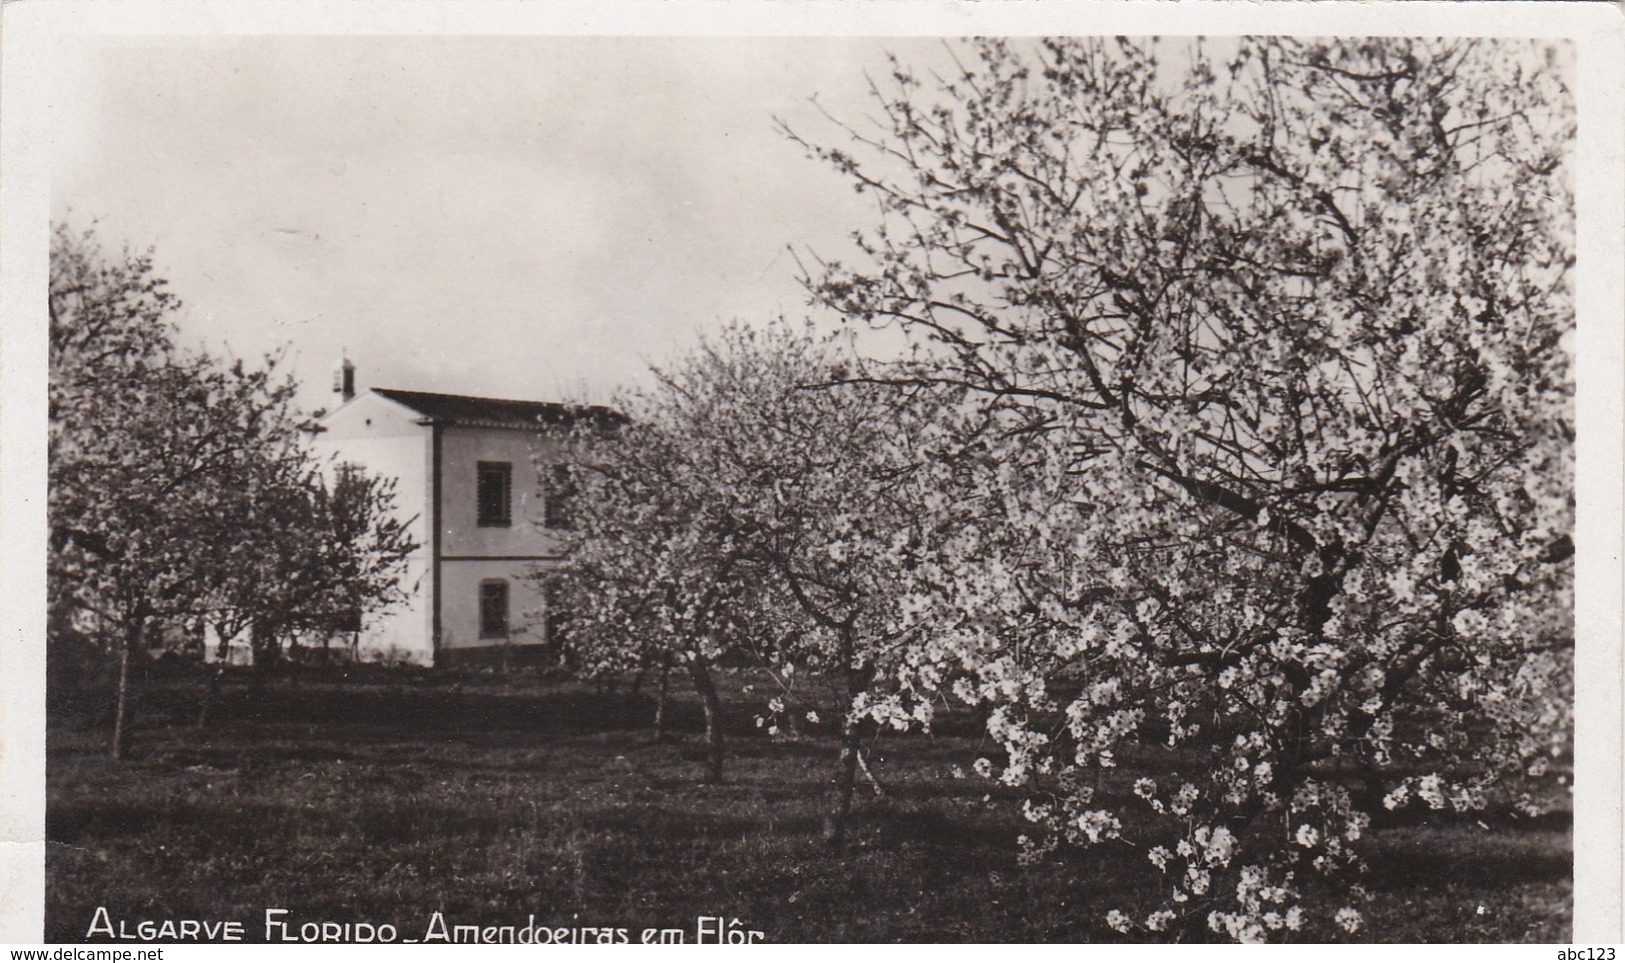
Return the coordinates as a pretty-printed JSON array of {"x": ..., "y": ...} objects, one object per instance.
[
  {"x": 178, "y": 484},
  {"x": 309, "y": 550},
  {"x": 765, "y": 499},
  {"x": 655, "y": 574},
  {"x": 1288, "y": 324}
]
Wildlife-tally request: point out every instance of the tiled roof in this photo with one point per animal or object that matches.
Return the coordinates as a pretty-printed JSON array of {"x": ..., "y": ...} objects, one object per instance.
[{"x": 498, "y": 412}]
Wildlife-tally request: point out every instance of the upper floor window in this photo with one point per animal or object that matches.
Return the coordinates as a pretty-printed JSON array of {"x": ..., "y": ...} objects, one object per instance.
[
  {"x": 496, "y": 494},
  {"x": 556, "y": 499}
]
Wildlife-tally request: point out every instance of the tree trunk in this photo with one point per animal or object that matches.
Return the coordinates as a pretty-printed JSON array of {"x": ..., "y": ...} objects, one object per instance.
[
  {"x": 713, "y": 722},
  {"x": 121, "y": 711},
  {"x": 660, "y": 700},
  {"x": 211, "y": 694},
  {"x": 259, "y": 653},
  {"x": 867, "y": 773},
  {"x": 846, "y": 774},
  {"x": 846, "y": 765}
]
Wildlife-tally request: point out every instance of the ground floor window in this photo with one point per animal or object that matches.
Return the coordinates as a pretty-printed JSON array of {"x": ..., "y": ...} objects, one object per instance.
[{"x": 494, "y": 609}]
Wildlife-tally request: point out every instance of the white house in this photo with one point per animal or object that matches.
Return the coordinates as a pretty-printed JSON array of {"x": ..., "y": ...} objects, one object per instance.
[{"x": 486, "y": 516}]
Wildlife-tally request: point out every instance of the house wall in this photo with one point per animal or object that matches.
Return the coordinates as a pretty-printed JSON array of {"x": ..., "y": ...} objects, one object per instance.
[
  {"x": 389, "y": 439},
  {"x": 470, "y": 553},
  {"x": 386, "y": 439},
  {"x": 460, "y": 603},
  {"x": 462, "y": 449}
]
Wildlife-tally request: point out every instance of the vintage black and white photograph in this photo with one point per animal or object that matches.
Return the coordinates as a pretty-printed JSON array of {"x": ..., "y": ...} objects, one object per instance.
[{"x": 1000, "y": 486}]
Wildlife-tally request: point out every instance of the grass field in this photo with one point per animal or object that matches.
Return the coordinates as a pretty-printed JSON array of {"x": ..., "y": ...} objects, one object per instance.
[{"x": 490, "y": 798}]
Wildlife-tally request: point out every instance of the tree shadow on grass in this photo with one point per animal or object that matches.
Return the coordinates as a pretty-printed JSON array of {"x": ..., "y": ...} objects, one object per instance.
[{"x": 1489, "y": 860}]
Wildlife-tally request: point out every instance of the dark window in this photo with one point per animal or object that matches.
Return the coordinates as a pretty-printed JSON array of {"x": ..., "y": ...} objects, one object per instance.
[
  {"x": 556, "y": 500},
  {"x": 494, "y": 609},
  {"x": 496, "y": 490}
]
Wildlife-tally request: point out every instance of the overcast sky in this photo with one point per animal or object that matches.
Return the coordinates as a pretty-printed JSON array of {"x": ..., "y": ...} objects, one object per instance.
[{"x": 509, "y": 216}]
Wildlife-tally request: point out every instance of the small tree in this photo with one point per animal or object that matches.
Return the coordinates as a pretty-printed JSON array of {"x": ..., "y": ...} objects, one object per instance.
[
  {"x": 307, "y": 554},
  {"x": 655, "y": 573},
  {"x": 263, "y": 577},
  {"x": 826, "y": 476},
  {"x": 365, "y": 546},
  {"x": 1291, "y": 320}
]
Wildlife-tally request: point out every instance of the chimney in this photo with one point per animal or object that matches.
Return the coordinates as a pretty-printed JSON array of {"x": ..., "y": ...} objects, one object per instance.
[{"x": 344, "y": 380}]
